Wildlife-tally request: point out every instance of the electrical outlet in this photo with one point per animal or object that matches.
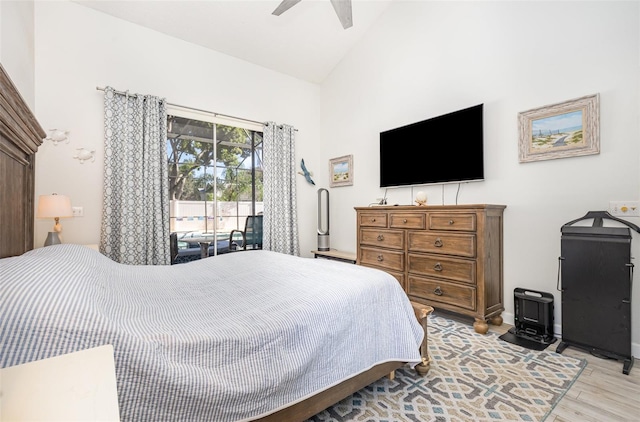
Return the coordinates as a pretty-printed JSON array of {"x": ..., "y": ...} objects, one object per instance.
[
  {"x": 624, "y": 208},
  {"x": 78, "y": 211}
]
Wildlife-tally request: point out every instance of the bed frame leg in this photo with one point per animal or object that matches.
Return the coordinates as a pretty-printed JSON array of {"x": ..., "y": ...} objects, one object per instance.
[
  {"x": 422, "y": 312},
  {"x": 392, "y": 375}
]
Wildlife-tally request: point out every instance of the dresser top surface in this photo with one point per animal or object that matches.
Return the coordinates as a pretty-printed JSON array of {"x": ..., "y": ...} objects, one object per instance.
[{"x": 429, "y": 207}]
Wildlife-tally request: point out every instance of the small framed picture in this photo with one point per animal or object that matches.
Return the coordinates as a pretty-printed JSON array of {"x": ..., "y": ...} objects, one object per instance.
[
  {"x": 567, "y": 129},
  {"x": 341, "y": 171}
]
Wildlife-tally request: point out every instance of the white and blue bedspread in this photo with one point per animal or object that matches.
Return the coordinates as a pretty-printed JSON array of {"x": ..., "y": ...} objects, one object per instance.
[{"x": 227, "y": 338}]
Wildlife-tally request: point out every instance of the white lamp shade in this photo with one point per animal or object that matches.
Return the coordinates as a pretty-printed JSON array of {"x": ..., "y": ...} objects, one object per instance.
[{"x": 52, "y": 206}]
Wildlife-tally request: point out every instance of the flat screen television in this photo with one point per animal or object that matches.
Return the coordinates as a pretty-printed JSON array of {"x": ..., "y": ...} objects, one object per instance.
[{"x": 443, "y": 149}]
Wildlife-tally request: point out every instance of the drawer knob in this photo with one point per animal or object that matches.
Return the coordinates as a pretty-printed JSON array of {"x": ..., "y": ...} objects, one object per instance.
[
  {"x": 451, "y": 222},
  {"x": 438, "y": 291},
  {"x": 380, "y": 258},
  {"x": 438, "y": 243},
  {"x": 380, "y": 237},
  {"x": 404, "y": 221},
  {"x": 373, "y": 220},
  {"x": 437, "y": 267}
]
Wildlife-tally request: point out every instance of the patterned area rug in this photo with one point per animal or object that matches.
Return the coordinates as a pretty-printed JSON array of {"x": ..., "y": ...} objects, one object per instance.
[{"x": 473, "y": 377}]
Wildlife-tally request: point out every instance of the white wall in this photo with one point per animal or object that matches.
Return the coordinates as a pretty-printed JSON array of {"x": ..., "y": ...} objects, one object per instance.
[
  {"x": 422, "y": 59},
  {"x": 17, "y": 46},
  {"x": 78, "y": 49}
]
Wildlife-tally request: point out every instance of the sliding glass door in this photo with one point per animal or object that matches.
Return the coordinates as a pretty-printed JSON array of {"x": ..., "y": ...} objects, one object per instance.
[{"x": 215, "y": 180}]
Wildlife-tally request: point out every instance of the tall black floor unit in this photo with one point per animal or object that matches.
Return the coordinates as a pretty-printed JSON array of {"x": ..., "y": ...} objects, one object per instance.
[{"x": 596, "y": 276}]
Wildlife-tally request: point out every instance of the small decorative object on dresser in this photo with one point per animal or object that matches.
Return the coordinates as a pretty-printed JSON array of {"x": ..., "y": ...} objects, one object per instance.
[
  {"x": 421, "y": 198},
  {"x": 445, "y": 256}
]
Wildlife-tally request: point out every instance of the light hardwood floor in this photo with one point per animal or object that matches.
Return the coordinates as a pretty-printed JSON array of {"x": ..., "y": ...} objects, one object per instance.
[{"x": 602, "y": 392}]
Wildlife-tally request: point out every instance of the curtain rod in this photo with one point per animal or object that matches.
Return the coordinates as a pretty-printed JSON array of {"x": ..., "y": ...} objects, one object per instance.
[{"x": 192, "y": 108}]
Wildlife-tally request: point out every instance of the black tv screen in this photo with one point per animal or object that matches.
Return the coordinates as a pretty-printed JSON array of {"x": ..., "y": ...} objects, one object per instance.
[{"x": 443, "y": 149}]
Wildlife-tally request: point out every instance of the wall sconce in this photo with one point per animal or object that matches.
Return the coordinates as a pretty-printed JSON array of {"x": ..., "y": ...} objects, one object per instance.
[
  {"x": 56, "y": 136},
  {"x": 54, "y": 206},
  {"x": 84, "y": 154}
]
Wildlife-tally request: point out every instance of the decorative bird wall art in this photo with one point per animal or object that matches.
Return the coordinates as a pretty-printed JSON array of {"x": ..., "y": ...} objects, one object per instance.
[{"x": 307, "y": 175}]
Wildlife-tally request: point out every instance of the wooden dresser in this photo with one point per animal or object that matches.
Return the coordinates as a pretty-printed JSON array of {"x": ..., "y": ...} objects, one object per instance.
[{"x": 448, "y": 257}]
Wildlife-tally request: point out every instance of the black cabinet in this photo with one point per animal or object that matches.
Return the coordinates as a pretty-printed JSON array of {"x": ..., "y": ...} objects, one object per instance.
[{"x": 596, "y": 276}]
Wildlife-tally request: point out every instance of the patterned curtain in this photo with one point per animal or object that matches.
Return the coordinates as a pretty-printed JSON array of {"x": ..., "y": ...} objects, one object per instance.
[
  {"x": 279, "y": 193},
  {"x": 135, "y": 214}
]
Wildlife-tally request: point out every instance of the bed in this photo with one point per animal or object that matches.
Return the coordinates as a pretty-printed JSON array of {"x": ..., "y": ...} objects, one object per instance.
[
  {"x": 250, "y": 335},
  {"x": 214, "y": 339}
]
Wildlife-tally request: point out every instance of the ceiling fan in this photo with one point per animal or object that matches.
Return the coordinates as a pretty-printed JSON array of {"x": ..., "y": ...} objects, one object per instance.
[{"x": 342, "y": 8}]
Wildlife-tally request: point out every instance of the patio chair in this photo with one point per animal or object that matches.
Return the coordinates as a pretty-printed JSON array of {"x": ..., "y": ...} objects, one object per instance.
[
  {"x": 173, "y": 247},
  {"x": 251, "y": 235}
]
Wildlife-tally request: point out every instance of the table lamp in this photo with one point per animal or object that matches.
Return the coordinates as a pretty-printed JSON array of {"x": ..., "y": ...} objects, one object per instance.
[{"x": 54, "y": 206}]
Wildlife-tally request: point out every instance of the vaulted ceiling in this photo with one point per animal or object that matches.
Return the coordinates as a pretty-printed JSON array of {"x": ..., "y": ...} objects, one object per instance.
[{"x": 306, "y": 42}]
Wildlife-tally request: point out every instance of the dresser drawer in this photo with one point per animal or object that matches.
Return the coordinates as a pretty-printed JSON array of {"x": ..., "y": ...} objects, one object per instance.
[
  {"x": 382, "y": 258},
  {"x": 443, "y": 243},
  {"x": 445, "y": 221},
  {"x": 384, "y": 238},
  {"x": 373, "y": 219},
  {"x": 406, "y": 221},
  {"x": 434, "y": 290},
  {"x": 461, "y": 270}
]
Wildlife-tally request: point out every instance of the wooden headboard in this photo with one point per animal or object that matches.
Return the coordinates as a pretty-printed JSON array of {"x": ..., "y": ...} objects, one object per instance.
[{"x": 20, "y": 137}]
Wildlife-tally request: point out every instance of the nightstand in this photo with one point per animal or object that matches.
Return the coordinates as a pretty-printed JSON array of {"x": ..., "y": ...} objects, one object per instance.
[{"x": 336, "y": 255}]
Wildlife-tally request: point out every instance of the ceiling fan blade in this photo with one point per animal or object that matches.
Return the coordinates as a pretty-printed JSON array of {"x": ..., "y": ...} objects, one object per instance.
[
  {"x": 343, "y": 10},
  {"x": 284, "y": 6}
]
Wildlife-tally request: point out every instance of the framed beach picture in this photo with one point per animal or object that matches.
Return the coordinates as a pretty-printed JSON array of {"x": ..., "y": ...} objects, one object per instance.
[
  {"x": 567, "y": 129},
  {"x": 341, "y": 171}
]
